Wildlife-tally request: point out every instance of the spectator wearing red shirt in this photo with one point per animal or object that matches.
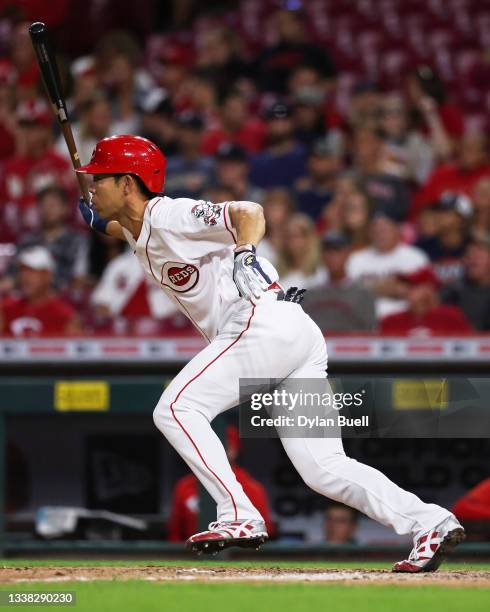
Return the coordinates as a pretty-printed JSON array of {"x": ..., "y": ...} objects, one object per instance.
[
  {"x": 460, "y": 176},
  {"x": 37, "y": 310},
  {"x": 475, "y": 504},
  {"x": 236, "y": 126},
  {"x": 35, "y": 166},
  {"x": 183, "y": 519},
  {"x": 425, "y": 315}
]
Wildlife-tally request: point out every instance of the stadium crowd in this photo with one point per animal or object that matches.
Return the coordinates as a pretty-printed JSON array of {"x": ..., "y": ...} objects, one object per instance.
[{"x": 373, "y": 167}]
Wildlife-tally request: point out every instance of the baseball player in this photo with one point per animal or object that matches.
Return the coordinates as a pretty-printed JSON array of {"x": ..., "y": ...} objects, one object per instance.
[{"x": 202, "y": 255}]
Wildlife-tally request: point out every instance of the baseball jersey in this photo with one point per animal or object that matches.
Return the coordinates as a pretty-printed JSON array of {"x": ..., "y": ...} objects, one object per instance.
[{"x": 186, "y": 247}]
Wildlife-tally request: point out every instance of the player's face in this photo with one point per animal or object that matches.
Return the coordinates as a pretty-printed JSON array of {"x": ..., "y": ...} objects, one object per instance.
[{"x": 107, "y": 195}]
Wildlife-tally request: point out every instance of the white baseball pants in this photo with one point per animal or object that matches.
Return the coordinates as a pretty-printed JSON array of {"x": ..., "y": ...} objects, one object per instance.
[{"x": 274, "y": 339}]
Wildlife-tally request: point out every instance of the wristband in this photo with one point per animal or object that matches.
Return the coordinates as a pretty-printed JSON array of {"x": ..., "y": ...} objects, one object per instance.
[{"x": 245, "y": 247}]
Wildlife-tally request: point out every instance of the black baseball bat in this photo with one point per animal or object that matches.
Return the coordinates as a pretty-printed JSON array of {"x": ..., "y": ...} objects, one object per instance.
[{"x": 46, "y": 59}]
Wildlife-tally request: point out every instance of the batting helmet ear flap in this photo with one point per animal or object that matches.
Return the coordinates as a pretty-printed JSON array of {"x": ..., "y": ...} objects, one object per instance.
[{"x": 128, "y": 154}]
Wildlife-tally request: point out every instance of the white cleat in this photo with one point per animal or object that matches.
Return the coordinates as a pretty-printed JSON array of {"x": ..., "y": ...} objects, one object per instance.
[{"x": 223, "y": 534}]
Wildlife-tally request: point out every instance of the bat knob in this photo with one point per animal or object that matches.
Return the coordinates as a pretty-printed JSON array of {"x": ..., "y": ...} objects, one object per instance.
[{"x": 38, "y": 27}]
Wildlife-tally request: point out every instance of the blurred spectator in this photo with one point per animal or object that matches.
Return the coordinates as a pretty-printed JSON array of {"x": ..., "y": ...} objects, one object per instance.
[
  {"x": 472, "y": 292},
  {"x": 219, "y": 57},
  {"x": 94, "y": 124},
  {"x": 7, "y": 112},
  {"x": 299, "y": 258},
  {"x": 23, "y": 62},
  {"x": 460, "y": 176},
  {"x": 474, "y": 505},
  {"x": 378, "y": 266},
  {"x": 408, "y": 153},
  {"x": 157, "y": 123},
  {"x": 188, "y": 172},
  {"x": 278, "y": 207},
  {"x": 202, "y": 100},
  {"x": 232, "y": 171},
  {"x": 433, "y": 112},
  {"x": 275, "y": 63},
  {"x": 123, "y": 291},
  {"x": 388, "y": 192},
  {"x": 341, "y": 524},
  {"x": 314, "y": 191},
  {"x": 356, "y": 212},
  {"x": 425, "y": 315},
  {"x": 117, "y": 61},
  {"x": 339, "y": 304},
  {"x": 183, "y": 521},
  {"x": 481, "y": 207},
  {"x": 236, "y": 127},
  {"x": 307, "y": 94},
  {"x": 365, "y": 106},
  {"x": 447, "y": 246},
  {"x": 37, "y": 309},
  {"x": 67, "y": 246},
  {"x": 284, "y": 160},
  {"x": 174, "y": 62},
  {"x": 35, "y": 166}
]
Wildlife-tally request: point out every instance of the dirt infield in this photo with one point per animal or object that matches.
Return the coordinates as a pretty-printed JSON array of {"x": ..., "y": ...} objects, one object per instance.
[{"x": 231, "y": 574}]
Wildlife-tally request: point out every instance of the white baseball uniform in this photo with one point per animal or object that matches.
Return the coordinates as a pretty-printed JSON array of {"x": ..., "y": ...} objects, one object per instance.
[{"x": 186, "y": 247}]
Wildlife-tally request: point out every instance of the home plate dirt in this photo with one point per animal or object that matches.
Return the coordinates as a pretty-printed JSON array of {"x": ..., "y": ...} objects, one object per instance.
[{"x": 230, "y": 574}]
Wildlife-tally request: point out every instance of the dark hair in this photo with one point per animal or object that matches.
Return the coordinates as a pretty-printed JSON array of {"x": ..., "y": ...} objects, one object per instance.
[
  {"x": 55, "y": 191},
  {"x": 141, "y": 186}
]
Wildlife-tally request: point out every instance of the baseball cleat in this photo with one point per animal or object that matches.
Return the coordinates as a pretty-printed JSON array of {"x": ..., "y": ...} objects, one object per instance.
[
  {"x": 223, "y": 534},
  {"x": 431, "y": 548}
]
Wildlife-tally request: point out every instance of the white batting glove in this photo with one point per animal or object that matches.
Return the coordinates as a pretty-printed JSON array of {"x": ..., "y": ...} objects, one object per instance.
[{"x": 249, "y": 277}]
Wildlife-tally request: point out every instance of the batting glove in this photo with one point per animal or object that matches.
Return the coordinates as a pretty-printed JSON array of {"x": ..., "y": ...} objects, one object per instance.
[
  {"x": 91, "y": 217},
  {"x": 249, "y": 277},
  {"x": 293, "y": 294}
]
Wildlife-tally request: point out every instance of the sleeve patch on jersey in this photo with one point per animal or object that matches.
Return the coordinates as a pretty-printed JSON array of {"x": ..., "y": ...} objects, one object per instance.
[{"x": 208, "y": 212}]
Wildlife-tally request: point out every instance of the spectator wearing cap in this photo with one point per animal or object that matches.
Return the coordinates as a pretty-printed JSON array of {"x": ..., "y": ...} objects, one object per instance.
[
  {"x": 314, "y": 191},
  {"x": 172, "y": 64},
  {"x": 67, "y": 246},
  {"x": 339, "y": 304},
  {"x": 425, "y": 316},
  {"x": 36, "y": 165},
  {"x": 157, "y": 121},
  {"x": 37, "y": 309},
  {"x": 275, "y": 63},
  {"x": 378, "y": 266},
  {"x": 460, "y": 176},
  {"x": 284, "y": 160},
  {"x": 447, "y": 246},
  {"x": 388, "y": 192},
  {"x": 232, "y": 170},
  {"x": 472, "y": 292},
  {"x": 236, "y": 126},
  {"x": 365, "y": 106},
  {"x": 299, "y": 259},
  {"x": 189, "y": 173}
]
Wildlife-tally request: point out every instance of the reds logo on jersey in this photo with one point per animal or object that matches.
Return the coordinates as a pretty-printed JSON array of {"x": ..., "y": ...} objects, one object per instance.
[
  {"x": 180, "y": 277},
  {"x": 208, "y": 212}
]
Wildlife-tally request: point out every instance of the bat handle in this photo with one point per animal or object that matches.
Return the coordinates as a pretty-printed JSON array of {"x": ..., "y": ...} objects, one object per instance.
[{"x": 75, "y": 159}]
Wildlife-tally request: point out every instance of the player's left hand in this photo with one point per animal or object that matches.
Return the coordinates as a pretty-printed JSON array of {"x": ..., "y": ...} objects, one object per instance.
[{"x": 249, "y": 277}]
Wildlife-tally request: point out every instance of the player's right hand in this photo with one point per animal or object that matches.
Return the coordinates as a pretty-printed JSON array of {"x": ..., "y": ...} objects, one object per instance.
[
  {"x": 249, "y": 277},
  {"x": 91, "y": 217}
]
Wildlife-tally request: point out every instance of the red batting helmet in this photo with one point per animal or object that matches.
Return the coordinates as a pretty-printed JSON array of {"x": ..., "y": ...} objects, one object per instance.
[{"x": 128, "y": 154}]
